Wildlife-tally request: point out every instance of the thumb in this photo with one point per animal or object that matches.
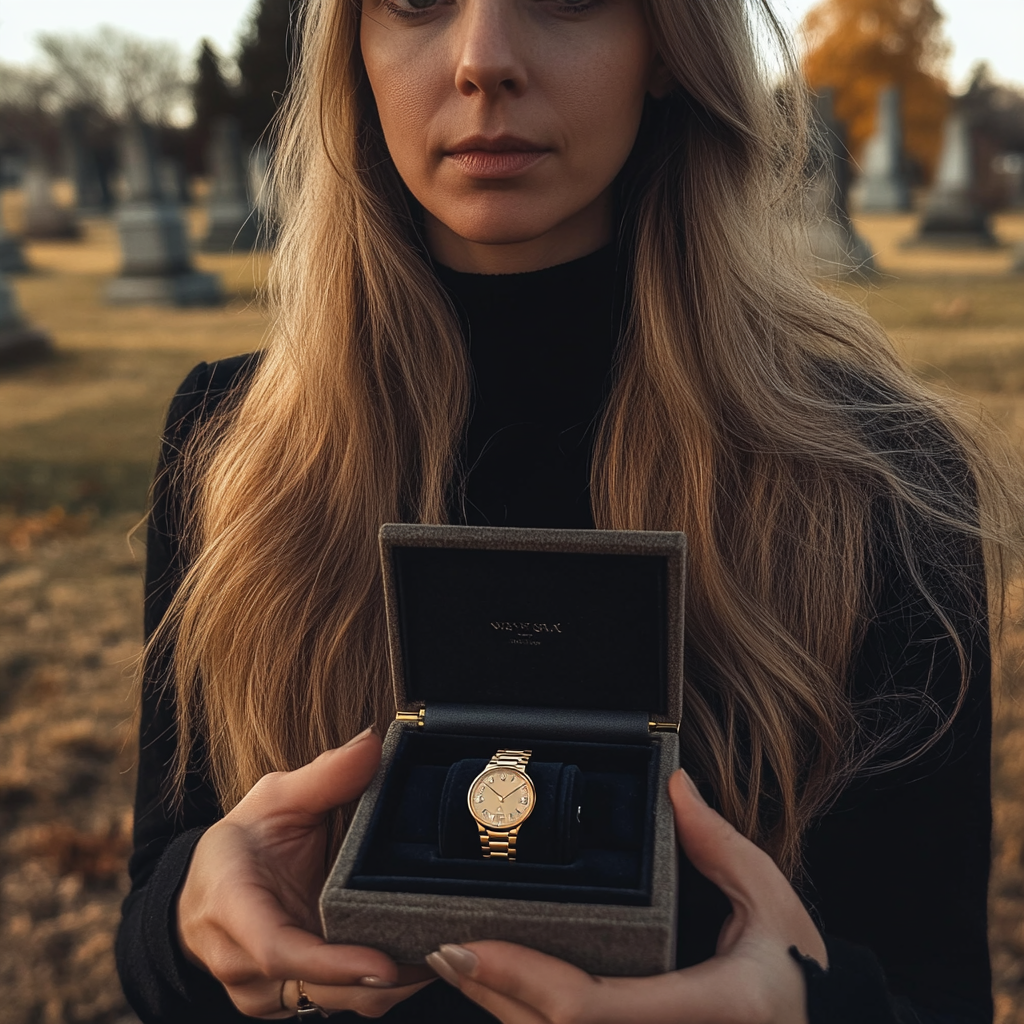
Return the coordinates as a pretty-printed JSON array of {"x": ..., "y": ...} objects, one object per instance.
[
  {"x": 714, "y": 847},
  {"x": 336, "y": 777}
]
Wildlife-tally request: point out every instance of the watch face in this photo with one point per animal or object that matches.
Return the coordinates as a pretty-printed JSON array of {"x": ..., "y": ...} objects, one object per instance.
[{"x": 501, "y": 798}]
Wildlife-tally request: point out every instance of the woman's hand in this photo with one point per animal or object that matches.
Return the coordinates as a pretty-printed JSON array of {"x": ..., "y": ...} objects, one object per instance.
[
  {"x": 247, "y": 912},
  {"x": 752, "y": 979}
]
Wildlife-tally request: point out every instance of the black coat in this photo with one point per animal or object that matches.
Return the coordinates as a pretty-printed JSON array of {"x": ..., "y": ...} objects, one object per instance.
[{"x": 897, "y": 869}]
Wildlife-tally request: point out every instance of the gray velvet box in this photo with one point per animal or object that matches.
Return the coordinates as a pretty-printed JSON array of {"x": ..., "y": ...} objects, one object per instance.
[{"x": 601, "y": 937}]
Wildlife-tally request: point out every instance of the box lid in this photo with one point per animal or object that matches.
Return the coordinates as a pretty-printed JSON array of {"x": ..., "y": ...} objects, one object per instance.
[{"x": 582, "y": 619}]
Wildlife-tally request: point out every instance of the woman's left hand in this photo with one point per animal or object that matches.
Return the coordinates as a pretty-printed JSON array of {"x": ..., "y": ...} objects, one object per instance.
[{"x": 751, "y": 978}]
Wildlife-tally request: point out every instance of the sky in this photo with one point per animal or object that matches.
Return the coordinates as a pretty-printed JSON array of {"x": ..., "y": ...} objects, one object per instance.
[{"x": 991, "y": 30}]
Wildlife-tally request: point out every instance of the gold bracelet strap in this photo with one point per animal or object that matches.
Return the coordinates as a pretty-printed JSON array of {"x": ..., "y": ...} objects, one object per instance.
[
  {"x": 502, "y": 845},
  {"x": 509, "y": 759}
]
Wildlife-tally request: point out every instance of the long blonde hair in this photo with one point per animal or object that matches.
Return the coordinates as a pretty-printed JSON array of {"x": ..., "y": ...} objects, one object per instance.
[{"x": 728, "y": 420}]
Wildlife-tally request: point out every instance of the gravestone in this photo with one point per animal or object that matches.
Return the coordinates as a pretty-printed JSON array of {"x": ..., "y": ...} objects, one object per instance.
[
  {"x": 952, "y": 216},
  {"x": 43, "y": 217},
  {"x": 174, "y": 180},
  {"x": 837, "y": 249},
  {"x": 232, "y": 221},
  {"x": 157, "y": 266},
  {"x": 19, "y": 343},
  {"x": 12, "y": 258},
  {"x": 92, "y": 194},
  {"x": 883, "y": 186}
]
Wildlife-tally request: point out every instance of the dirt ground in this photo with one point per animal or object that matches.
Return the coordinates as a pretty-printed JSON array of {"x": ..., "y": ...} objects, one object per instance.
[{"x": 77, "y": 442}]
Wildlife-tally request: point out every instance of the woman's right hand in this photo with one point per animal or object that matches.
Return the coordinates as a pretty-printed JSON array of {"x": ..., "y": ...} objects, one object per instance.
[{"x": 247, "y": 912}]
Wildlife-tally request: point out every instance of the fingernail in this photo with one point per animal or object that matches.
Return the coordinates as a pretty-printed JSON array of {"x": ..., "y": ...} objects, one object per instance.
[
  {"x": 693, "y": 786},
  {"x": 358, "y": 739},
  {"x": 372, "y": 981},
  {"x": 440, "y": 967},
  {"x": 460, "y": 959}
]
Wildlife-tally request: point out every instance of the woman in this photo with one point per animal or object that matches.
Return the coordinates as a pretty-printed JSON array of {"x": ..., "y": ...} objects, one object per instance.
[{"x": 538, "y": 268}]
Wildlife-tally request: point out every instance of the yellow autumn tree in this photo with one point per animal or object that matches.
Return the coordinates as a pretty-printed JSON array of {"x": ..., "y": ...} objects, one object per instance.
[{"x": 859, "y": 47}]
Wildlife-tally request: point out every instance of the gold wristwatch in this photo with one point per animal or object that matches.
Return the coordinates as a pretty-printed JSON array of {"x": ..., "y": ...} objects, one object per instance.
[{"x": 500, "y": 799}]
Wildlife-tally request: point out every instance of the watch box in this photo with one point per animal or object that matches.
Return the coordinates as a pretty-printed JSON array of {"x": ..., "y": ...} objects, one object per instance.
[{"x": 567, "y": 644}]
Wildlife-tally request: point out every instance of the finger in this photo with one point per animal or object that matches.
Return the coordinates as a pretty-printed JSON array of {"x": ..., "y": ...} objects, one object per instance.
[
  {"x": 278, "y": 948},
  {"x": 507, "y": 1010},
  {"x": 521, "y": 986},
  {"x": 371, "y": 1000},
  {"x": 757, "y": 889},
  {"x": 299, "y": 954},
  {"x": 336, "y": 777},
  {"x": 518, "y": 985}
]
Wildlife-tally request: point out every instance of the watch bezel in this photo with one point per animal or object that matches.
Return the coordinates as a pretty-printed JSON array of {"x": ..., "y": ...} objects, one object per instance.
[{"x": 490, "y": 826}]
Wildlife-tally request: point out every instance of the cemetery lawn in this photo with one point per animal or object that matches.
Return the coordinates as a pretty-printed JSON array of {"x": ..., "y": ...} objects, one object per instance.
[{"x": 78, "y": 439}]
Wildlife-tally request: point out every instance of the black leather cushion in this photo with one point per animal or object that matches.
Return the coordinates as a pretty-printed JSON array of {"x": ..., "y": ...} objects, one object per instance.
[{"x": 401, "y": 851}]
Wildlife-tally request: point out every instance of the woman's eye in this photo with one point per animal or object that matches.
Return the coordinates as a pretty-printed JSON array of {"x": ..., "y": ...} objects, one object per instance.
[
  {"x": 415, "y": 8},
  {"x": 576, "y": 6}
]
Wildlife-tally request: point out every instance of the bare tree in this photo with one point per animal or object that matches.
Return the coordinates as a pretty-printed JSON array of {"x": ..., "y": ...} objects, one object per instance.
[{"x": 118, "y": 73}]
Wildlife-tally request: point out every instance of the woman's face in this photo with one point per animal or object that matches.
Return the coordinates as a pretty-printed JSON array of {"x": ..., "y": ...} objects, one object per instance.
[{"x": 509, "y": 119}]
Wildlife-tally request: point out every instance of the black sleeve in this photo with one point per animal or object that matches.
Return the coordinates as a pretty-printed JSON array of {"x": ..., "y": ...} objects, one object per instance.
[
  {"x": 160, "y": 984},
  {"x": 899, "y": 866}
]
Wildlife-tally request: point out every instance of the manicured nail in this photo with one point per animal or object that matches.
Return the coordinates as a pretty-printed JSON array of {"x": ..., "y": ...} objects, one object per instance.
[
  {"x": 440, "y": 967},
  {"x": 459, "y": 959},
  {"x": 372, "y": 981},
  {"x": 693, "y": 786},
  {"x": 358, "y": 739}
]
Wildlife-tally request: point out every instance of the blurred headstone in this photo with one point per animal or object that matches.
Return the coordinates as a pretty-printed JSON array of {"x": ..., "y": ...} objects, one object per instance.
[
  {"x": 92, "y": 193},
  {"x": 12, "y": 258},
  {"x": 883, "y": 186},
  {"x": 259, "y": 189},
  {"x": 952, "y": 214},
  {"x": 157, "y": 267},
  {"x": 174, "y": 180},
  {"x": 232, "y": 220},
  {"x": 837, "y": 249},
  {"x": 43, "y": 217},
  {"x": 19, "y": 342}
]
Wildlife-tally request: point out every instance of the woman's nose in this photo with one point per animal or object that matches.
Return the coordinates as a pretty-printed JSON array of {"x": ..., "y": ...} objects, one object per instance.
[{"x": 489, "y": 58}]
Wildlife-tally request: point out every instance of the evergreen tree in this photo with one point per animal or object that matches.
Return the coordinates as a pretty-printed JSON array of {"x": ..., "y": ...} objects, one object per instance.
[
  {"x": 212, "y": 99},
  {"x": 211, "y": 94},
  {"x": 858, "y": 47},
  {"x": 264, "y": 61}
]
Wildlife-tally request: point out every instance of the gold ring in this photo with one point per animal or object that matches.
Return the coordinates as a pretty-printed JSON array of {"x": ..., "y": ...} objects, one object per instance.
[
  {"x": 306, "y": 1009},
  {"x": 280, "y": 996}
]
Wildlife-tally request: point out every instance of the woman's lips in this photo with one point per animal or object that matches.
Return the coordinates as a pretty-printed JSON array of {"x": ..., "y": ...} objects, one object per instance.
[{"x": 508, "y": 163}]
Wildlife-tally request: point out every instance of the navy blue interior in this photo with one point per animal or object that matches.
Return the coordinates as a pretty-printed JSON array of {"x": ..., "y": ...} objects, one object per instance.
[
  {"x": 542, "y": 629},
  {"x": 400, "y": 852}
]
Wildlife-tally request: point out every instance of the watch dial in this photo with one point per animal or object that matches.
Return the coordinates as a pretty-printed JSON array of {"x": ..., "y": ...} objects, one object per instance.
[{"x": 501, "y": 798}]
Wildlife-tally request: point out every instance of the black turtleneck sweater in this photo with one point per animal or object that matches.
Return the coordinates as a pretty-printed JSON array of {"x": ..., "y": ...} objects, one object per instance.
[{"x": 897, "y": 869}]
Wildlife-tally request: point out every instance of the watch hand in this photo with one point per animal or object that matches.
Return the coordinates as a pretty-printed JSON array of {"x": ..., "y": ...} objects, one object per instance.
[{"x": 495, "y": 792}]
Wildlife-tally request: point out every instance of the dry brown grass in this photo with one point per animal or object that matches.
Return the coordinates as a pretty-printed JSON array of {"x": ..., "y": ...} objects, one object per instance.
[{"x": 78, "y": 437}]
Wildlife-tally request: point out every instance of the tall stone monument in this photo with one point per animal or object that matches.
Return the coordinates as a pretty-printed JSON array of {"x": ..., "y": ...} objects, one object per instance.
[
  {"x": 44, "y": 217},
  {"x": 883, "y": 186},
  {"x": 837, "y": 249},
  {"x": 157, "y": 266},
  {"x": 92, "y": 193},
  {"x": 19, "y": 342},
  {"x": 232, "y": 221},
  {"x": 952, "y": 216},
  {"x": 174, "y": 180},
  {"x": 12, "y": 259}
]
